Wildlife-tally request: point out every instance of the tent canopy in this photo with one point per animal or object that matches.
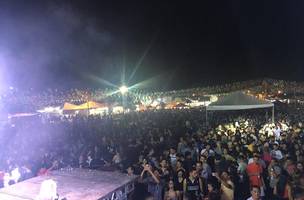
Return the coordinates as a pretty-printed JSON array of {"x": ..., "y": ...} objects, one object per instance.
[
  {"x": 69, "y": 106},
  {"x": 90, "y": 105},
  {"x": 84, "y": 106},
  {"x": 238, "y": 101}
]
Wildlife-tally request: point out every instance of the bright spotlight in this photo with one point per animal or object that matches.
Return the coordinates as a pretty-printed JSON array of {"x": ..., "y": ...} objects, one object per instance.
[
  {"x": 48, "y": 190},
  {"x": 123, "y": 89},
  {"x": 15, "y": 175}
]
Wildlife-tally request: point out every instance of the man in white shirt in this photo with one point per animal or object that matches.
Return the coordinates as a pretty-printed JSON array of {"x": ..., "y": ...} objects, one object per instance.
[
  {"x": 277, "y": 133},
  {"x": 207, "y": 151},
  {"x": 276, "y": 153}
]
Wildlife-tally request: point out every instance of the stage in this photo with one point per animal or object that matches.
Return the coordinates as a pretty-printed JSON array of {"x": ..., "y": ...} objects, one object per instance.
[{"x": 75, "y": 184}]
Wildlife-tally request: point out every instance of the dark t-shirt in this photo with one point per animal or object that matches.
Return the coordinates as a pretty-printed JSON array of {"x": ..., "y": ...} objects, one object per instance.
[
  {"x": 193, "y": 189},
  {"x": 154, "y": 188},
  {"x": 214, "y": 196},
  {"x": 178, "y": 185}
]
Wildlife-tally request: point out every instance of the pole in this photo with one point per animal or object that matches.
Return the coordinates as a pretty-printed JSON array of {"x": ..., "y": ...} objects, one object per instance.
[
  {"x": 88, "y": 109},
  {"x": 123, "y": 103},
  {"x": 273, "y": 114},
  {"x": 206, "y": 112}
]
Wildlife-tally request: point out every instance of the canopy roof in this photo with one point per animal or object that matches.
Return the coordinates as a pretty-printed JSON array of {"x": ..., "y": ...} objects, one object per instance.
[
  {"x": 84, "y": 106},
  {"x": 238, "y": 101},
  {"x": 69, "y": 106},
  {"x": 90, "y": 105}
]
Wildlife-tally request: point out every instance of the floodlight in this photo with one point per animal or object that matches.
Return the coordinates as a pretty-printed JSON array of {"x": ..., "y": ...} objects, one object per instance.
[{"x": 123, "y": 89}]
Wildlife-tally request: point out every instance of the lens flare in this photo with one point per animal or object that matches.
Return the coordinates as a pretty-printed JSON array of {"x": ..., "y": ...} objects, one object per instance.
[
  {"x": 15, "y": 175},
  {"x": 123, "y": 89},
  {"x": 48, "y": 190}
]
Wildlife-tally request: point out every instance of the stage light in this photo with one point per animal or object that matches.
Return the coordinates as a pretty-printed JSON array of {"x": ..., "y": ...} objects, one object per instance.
[
  {"x": 15, "y": 175},
  {"x": 6, "y": 179},
  {"x": 48, "y": 190},
  {"x": 123, "y": 89}
]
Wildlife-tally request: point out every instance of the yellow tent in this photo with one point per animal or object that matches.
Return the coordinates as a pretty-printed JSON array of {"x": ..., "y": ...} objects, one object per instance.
[
  {"x": 69, "y": 106},
  {"x": 90, "y": 105},
  {"x": 171, "y": 105},
  {"x": 84, "y": 106}
]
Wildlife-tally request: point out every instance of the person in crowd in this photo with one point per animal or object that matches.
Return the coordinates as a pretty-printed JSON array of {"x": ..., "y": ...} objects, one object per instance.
[
  {"x": 179, "y": 182},
  {"x": 227, "y": 186},
  {"x": 227, "y": 156},
  {"x": 206, "y": 169},
  {"x": 193, "y": 185},
  {"x": 266, "y": 156},
  {"x": 130, "y": 171},
  {"x": 116, "y": 160},
  {"x": 188, "y": 162},
  {"x": 181, "y": 148},
  {"x": 281, "y": 189},
  {"x": 171, "y": 193},
  {"x": 299, "y": 169},
  {"x": 179, "y": 166},
  {"x": 173, "y": 157},
  {"x": 255, "y": 193},
  {"x": 152, "y": 180},
  {"x": 255, "y": 173},
  {"x": 276, "y": 152},
  {"x": 213, "y": 193},
  {"x": 207, "y": 151},
  {"x": 218, "y": 148},
  {"x": 242, "y": 165},
  {"x": 241, "y": 180}
]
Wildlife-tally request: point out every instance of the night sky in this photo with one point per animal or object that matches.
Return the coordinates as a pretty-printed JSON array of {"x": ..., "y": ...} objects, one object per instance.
[{"x": 166, "y": 44}]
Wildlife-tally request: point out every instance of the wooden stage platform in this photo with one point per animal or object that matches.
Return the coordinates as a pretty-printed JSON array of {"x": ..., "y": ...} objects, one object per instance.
[{"x": 75, "y": 184}]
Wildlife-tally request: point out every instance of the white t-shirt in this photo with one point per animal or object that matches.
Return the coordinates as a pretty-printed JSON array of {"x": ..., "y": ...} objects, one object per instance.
[
  {"x": 277, "y": 133},
  {"x": 210, "y": 152},
  {"x": 250, "y": 198},
  {"x": 277, "y": 154}
]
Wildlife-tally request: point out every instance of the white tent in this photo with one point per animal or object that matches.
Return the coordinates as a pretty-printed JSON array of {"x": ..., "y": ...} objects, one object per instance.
[{"x": 239, "y": 101}]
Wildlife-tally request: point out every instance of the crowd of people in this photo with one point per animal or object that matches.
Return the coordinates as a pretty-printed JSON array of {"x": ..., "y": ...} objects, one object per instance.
[
  {"x": 29, "y": 100},
  {"x": 20, "y": 100},
  {"x": 174, "y": 152}
]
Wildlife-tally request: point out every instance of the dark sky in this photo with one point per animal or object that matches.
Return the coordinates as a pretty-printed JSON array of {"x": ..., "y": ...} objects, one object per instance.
[{"x": 166, "y": 44}]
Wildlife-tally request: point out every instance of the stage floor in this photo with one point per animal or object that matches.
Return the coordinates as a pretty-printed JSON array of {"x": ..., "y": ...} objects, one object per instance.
[{"x": 76, "y": 184}]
